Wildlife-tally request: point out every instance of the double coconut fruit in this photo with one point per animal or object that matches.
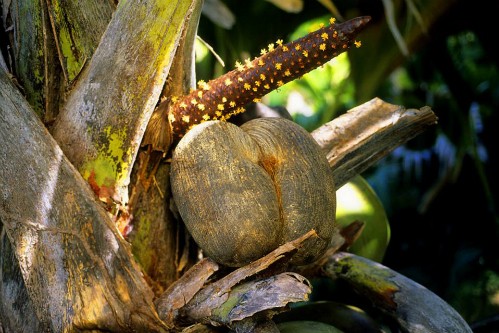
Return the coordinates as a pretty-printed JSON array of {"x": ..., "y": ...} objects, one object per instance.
[{"x": 244, "y": 191}]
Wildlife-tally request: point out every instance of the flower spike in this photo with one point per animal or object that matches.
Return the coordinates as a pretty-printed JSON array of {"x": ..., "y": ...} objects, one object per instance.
[{"x": 251, "y": 80}]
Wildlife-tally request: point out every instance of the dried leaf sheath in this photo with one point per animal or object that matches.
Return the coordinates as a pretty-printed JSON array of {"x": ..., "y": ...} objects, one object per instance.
[{"x": 228, "y": 94}]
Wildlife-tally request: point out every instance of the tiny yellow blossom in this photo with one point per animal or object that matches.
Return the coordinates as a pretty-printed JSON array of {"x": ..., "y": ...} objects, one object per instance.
[
  {"x": 201, "y": 107},
  {"x": 279, "y": 42},
  {"x": 266, "y": 86},
  {"x": 183, "y": 105},
  {"x": 232, "y": 104},
  {"x": 240, "y": 79},
  {"x": 228, "y": 82},
  {"x": 206, "y": 117},
  {"x": 263, "y": 51},
  {"x": 247, "y": 86},
  {"x": 278, "y": 66},
  {"x": 287, "y": 72},
  {"x": 260, "y": 62},
  {"x": 200, "y": 94},
  {"x": 174, "y": 99},
  {"x": 239, "y": 66},
  {"x": 262, "y": 77},
  {"x": 193, "y": 101},
  {"x": 171, "y": 117},
  {"x": 185, "y": 119},
  {"x": 322, "y": 47},
  {"x": 257, "y": 83},
  {"x": 220, "y": 107},
  {"x": 224, "y": 99},
  {"x": 358, "y": 43},
  {"x": 256, "y": 100},
  {"x": 271, "y": 47},
  {"x": 332, "y": 20},
  {"x": 248, "y": 63},
  {"x": 218, "y": 114},
  {"x": 285, "y": 48},
  {"x": 324, "y": 36},
  {"x": 280, "y": 83},
  {"x": 305, "y": 53},
  {"x": 203, "y": 85}
]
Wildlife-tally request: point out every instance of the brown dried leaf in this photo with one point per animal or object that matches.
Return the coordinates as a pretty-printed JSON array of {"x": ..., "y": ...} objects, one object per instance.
[
  {"x": 253, "y": 297},
  {"x": 182, "y": 290},
  {"x": 214, "y": 295}
]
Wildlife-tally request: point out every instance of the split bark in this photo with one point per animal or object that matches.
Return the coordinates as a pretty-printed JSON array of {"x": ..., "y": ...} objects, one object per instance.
[
  {"x": 102, "y": 123},
  {"x": 76, "y": 270}
]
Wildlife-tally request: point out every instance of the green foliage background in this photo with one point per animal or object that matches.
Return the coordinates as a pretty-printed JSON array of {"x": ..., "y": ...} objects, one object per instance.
[{"x": 440, "y": 190}]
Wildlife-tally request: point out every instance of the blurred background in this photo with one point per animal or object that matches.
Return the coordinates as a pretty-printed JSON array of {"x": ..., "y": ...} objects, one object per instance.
[{"x": 440, "y": 190}]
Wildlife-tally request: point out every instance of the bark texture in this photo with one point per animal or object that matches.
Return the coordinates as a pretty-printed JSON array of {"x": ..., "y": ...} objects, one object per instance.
[
  {"x": 51, "y": 41},
  {"x": 103, "y": 121},
  {"x": 76, "y": 269}
]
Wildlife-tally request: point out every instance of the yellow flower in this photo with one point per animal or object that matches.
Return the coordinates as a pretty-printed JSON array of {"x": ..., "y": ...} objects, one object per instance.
[
  {"x": 358, "y": 43},
  {"x": 203, "y": 85},
  {"x": 239, "y": 66},
  {"x": 248, "y": 63}
]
